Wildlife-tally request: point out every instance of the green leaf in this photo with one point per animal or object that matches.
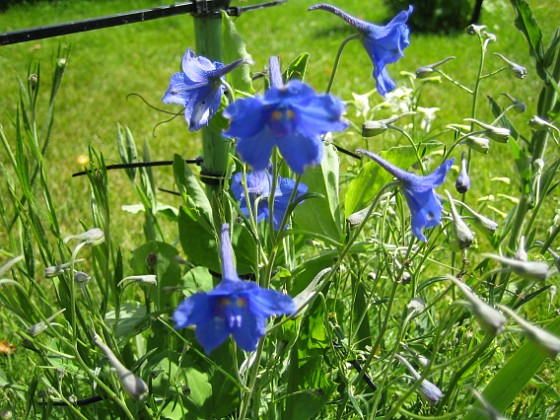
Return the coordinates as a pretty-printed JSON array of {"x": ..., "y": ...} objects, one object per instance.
[
  {"x": 513, "y": 376},
  {"x": 127, "y": 149},
  {"x": 523, "y": 164},
  {"x": 131, "y": 316},
  {"x": 297, "y": 68},
  {"x": 240, "y": 78},
  {"x": 526, "y": 23},
  {"x": 372, "y": 178},
  {"x": 321, "y": 215},
  {"x": 198, "y": 239},
  {"x": 190, "y": 188}
]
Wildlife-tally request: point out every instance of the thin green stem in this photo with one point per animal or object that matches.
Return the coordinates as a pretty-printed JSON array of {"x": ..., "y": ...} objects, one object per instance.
[{"x": 337, "y": 59}]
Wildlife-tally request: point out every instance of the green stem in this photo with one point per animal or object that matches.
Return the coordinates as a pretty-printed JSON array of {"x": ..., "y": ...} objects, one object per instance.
[{"x": 337, "y": 59}]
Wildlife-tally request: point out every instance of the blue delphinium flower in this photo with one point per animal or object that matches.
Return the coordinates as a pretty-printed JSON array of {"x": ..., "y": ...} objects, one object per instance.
[
  {"x": 258, "y": 187},
  {"x": 383, "y": 43},
  {"x": 199, "y": 88},
  {"x": 234, "y": 306},
  {"x": 292, "y": 117},
  {"x": 425, "y": 206}
]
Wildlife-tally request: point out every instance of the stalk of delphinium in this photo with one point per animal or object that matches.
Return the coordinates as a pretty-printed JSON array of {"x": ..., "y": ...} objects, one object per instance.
[{"x": 384, "y": 44}]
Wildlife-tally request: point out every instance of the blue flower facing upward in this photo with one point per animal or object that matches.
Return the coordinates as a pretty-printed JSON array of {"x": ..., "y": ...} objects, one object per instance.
[
  {"x": 234, "y": 306},
  {"x": 199, "y": 88},
  {"x": 258, "y": 187},
  {"x": 425, "y": 206},
  {"x": 383, "y": 43},
  {"x": 292, "y": 117}
]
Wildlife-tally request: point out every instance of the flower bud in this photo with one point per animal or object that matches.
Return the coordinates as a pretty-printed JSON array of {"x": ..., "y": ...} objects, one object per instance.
[
  {"x": 499, "y": 134},
  {"x": 81, "y": 278},
  {"x": 538, "y": 123},
  {"x": 487, "y": 225},
  {"x": 463, "y": 182},
  {"x": 478, "y": 144},
  {"x": 132, "y": 384},
  {"x": 519, "y": 71},
  {"x": 463, "y": 234},
  {"x": 530, "y": 270},
  {"x": 148, "y": 279},
  {"x": 428, "y": 70},
  {"x": 516, "y": 103},
  {"x": 547, "y": 342},
  {"x": 489, "y": 318},
  {"x": 374, "y": 128},
  {"x": 429, "y": 390},
  {"x": 92, "y": 237},
  {"x": 41, "y": 326}
]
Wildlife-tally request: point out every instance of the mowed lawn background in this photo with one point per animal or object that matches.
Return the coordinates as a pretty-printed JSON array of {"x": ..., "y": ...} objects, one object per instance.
[{"x": 107, "y": 65}]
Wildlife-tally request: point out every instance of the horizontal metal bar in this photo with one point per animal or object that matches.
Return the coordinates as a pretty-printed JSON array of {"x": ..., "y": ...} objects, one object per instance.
[
  {"x": 25, "y": 35},
  {"x": 197, "y": 8}
]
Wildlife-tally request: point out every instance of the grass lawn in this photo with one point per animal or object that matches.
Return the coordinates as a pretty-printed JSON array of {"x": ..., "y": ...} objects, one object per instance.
[{"x": 105, "y": 66}]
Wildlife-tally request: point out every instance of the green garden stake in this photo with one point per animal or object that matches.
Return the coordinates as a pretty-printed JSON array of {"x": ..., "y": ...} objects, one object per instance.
[{"x": 208, "y": 42}]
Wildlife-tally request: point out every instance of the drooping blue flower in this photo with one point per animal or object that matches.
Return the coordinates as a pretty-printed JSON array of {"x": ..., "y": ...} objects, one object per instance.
[
  {"x": 425, "y": 206},
  {"x": 292, "y": 117},
  {"x": 258, "y": 187},
  {"x": 383, "y": 43},
  {"x": 463, "y": 182},
  {"x": 199, "y": 88},
  {"x": 234, "y": 306}
]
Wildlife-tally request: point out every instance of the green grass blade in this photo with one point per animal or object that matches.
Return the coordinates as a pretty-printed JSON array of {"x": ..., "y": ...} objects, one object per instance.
[{"x": 515, "y": 374}]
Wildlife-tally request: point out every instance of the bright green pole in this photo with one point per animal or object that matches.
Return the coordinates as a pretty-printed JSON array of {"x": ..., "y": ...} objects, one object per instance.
[{"x": 208, "y": 42}]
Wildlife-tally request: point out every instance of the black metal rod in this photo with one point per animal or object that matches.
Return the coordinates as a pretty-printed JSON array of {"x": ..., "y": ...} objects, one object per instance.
[
  {"x": 31, "y": 34},
  {"x": 200, "y": 7}
]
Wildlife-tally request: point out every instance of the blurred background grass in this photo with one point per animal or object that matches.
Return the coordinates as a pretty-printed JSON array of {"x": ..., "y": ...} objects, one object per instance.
[{"x": 107, "y": 65}]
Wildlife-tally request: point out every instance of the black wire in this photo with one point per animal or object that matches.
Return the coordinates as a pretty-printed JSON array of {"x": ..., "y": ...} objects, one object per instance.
[{"x": 195, "y": 161}]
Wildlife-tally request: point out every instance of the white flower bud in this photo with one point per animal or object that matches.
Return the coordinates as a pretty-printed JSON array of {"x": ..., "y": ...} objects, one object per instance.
[
  {"x": 463, "y": 234},
  {"x": 489, "y": 318},
  {"x": 41, "y": 326},
  {"x": 519, "y": 71},
  {"x": 478, "y": 144},
  {"x": 429, "y": 390},
  {"x": 92, "y": 237},
  {"x": 499, "y": 134},
  {"x": 530, "y": 270},
  {"x": 149, "y": 279},
  {"x": 546, "y": 341},
  {"x": 132, "y": 384}
]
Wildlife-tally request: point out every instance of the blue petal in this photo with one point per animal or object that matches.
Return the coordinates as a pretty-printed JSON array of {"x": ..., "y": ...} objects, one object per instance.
[
  {"x": 425, "y": 208},
  {"x": 212, "y": 334},
  {"x": 256, "y": 150},
  {"x": 319, "y": 115},
  {"x": 266, "y": 302},
  {"x": 195, "y": 310},
  {"x": 181, "y": 90},
  {"x": 300, "y": 151},
  {"x": 247, "y": 117},
  {"x": 198, "y": 68},
  {"x": 433, "y": 180},
  {"x": 247, "y": 335},
  {"x": 383, "y": 82},
  {"x": 228, "y": 266}
]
